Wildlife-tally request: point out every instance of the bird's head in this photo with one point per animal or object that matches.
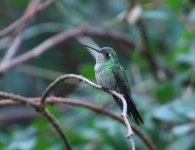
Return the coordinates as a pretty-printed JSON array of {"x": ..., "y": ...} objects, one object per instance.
[{"x": 104, "y": 54}]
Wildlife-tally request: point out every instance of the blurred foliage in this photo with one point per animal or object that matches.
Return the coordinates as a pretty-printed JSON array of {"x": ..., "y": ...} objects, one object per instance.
[{"x": 167, "y": 106}]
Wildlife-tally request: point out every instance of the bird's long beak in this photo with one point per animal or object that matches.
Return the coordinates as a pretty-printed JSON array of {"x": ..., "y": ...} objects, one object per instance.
[{"x": 92, "y": 48}]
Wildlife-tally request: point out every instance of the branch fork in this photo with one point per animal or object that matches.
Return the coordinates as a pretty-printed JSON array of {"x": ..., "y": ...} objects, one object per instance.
[{"x": 61, "y": 79}]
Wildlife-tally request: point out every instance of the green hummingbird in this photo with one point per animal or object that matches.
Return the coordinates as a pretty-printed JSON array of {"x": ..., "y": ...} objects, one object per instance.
[{"x": 111, "y": 75}]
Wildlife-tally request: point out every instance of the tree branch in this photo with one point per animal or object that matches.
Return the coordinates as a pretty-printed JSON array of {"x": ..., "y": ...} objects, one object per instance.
[
  {"x": 64, "y": 36},
  {"x": 32, "y": 10},
  {"x": 12, "y": 49},
  {"x": 58, "y": 100},
  {"x": 17, "y": 28},
  {"x": 43, "y": 111},
  {"x": 56, "y": 125},
  {"x": 18, "y": 35},
  {"x": 158, "y": 71},
  {"x": 85, "y": 80}
]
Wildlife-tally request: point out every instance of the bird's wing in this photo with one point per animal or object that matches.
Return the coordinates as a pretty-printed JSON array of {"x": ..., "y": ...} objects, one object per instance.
[{"x": 123, "y": 87}]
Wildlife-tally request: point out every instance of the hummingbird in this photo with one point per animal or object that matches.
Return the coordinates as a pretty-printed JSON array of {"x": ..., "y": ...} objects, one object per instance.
[{"x": 111, "y": 75}]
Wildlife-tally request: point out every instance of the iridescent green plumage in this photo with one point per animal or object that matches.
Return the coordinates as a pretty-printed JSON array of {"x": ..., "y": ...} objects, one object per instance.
[{"x": 111, "y": 75}]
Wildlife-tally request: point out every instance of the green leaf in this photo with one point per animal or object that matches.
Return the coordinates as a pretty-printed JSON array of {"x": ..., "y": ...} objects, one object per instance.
[
  {"x": 187, "y": 58},
  {"x": 183, "y": 129},
  {"x": 186, "y": 108},
  {"x": 177, "y": 111},
  {"x": 87, "y": 70},
  {"x": 176, "y": 5},
  {"x": 165, "y": 91},
  {"x": 166, "y": 113},
  {"x": 183, "y": 143},
  {"x": 140, "y": 59}
]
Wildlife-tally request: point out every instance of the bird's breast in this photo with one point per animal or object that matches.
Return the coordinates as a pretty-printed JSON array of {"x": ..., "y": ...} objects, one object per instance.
[
  {"x": 104, "y": 76},
  {"x": 98, "y": 68}
]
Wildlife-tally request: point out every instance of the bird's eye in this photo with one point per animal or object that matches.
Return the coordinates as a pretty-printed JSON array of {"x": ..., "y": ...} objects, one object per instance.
[{"x": 108, "y": 55}]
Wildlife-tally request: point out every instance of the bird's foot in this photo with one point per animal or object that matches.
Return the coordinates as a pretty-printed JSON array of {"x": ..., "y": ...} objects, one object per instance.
[{"x": 105, "y": 89}]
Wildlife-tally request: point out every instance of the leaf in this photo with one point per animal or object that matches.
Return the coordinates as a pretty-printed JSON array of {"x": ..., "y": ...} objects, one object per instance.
[
  {"x": 183, "y": 143},
  {"x": 156, "y": 15},
  {"x": 186, "y": 108},
  {"x": 87, "y": 71},
  {"x": 21, "y": 142},
  {"x": 165, "y": 91},
  {"x": 167, "y": 114},
  {"x": 177, "y": 111},
  {"x": 186, "y": 58},
  {"x": 183, "y": 129},
  {"x": 176, "y": 5},
  {"x": 140, "y": 59}
]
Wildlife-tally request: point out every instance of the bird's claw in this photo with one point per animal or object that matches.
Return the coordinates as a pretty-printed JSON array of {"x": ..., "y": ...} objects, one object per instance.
[
  {"x": 130, "y": 134},
  {"x": 105, "y": 89}
]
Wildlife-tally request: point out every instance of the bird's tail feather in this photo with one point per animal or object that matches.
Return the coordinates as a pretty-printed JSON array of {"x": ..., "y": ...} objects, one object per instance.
[{"x": 131, "y": 107}]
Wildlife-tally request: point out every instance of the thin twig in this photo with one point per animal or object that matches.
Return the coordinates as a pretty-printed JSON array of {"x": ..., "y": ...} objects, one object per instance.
[
  {"x": 148, "y": 51},
  {"x": 37, "y": 51},
  {"x": 19, "y": 24},
  {"x": 133, "y": 144},
  {"x": 64, "y": 36},
  {"x": 30, "y": 13},
  {"x": 62, "y": 79},
  {"x": 18, "y": 34},
  {"x": 43, "y": 111},
  {"x": 56, "y": 125},
  {"x": 85, "y": 80},
  {"x": 26, "y": 18},
  {"x": 55, "y": 100},
  {"x": 12, "y": 50},
  {"x": 157, "y": 70}
]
